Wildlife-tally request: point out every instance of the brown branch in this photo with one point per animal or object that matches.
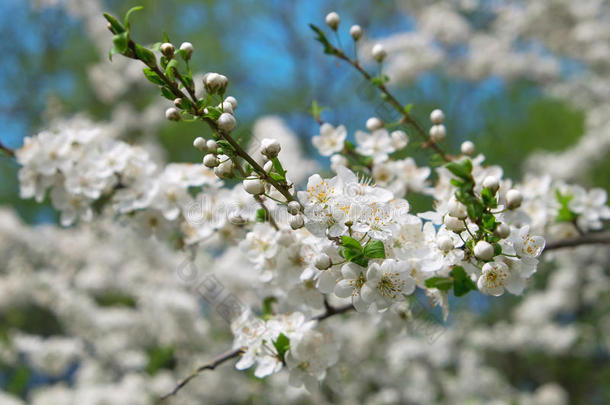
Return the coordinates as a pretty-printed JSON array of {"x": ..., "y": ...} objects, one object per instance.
[
  {"x": 602, "y": 238},
  {"x": 10, "y": 152},
  {"x": 209, "y": 366},
  {"x": 331, "y": 311}
]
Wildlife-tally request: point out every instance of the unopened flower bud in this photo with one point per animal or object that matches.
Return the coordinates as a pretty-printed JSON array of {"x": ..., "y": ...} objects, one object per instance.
[
  {"x": 199, "y": 143},
  {"x": 356, "y": 32},
  {"x": 268, "y": 166},
  {"x": 270, "y": 147},
  {"x": 333, "y": 20},
  {"x": 226, "y": 122},
  {"x": 514, "y": 198},
  {"x": 212, "y": 145},
  {"x": 467, "y": 148},
  {"x": 502, "y": 231},
  {"x": 444, "y": 243},
  {"x": 454, "y": 224},
  {"x": 254, "y": 186},
  {"x": 484, "y": 250},
  {"x": 379, "y": 53},
  {"x": 172, "y": 114},
  {"x": 167, "y": 50},
  {"x": 233, "y": 102},
  {"x": 187, "y": 49},
  {"x": 322, "y": 261},
  {"x": 215, "y": 83},
  {"x": 458, "y": 210},
  {"x": 373, "y": 124},
  {"x": 224, "y": 169},
  {"x": 227, "y": 107},
  {"x": 400, "y": 139},
  {"x": 437, "y": 116},
  {"x": 492, "y": 183},
  {"x": 294, "y": 207},
  {"x": 177, "y": 102},
  {"x": 210, "y": 160},
  {"x": 438, "y": 133},
  {"x": 297, "y": 221}
]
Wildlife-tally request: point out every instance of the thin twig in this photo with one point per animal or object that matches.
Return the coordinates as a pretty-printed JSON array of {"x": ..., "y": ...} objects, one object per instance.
[
  {"x": 209, "y": 366},
  {"x": 10, "y": 152},
  {"x": 602, "y": 238}
]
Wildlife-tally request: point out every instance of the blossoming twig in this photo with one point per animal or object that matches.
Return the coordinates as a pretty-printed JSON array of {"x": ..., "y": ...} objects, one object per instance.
[{"x": 208, "y": 366}]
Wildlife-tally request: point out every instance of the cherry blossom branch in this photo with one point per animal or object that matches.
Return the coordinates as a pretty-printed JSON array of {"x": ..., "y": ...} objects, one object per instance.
[
  {"x": 393, "y": 101},
  {"x": 602, "y": 238},
  {"x": 208, "y": 366}
]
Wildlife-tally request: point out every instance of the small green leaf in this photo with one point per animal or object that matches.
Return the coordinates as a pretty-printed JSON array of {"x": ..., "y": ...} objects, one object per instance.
[
  {"x": 408, "y": 108},
  {"x": 165, "y": 37},
  {"x": 128, "y": 15},
  {"x": 282, "y": 344},
  {"x": 462, "y": 283},
  {"x": 121, "y": 41},
  {"x": 497, "y": 249},
  {"x": 277, "y": 165},
  {"x": 261, "y": 215},
  {"x": 146, "y": 55},
  {"x": 169, "y": 69},
  {"x": 117, "y": 28},
  {"x": 374, "y": 250},
  {"x": 315, "y": 110},
  {"x": 321, "y": 37},
  {"x": 351, "y": 243},
  {"x": 167, "y": 93},
  {"x": 153, "y": 77},
  {"x": 268, "y": 307},
  {"x": 441, "y": 283},
  {"x": 462, "y": 169},
  {"x": 489, "y": 221},
  {"x": 160, "y": 357},
  {"x": 213, "y": 113},
  {"x": 564, "y": 214},
  {"x": 277, "y": 176}
]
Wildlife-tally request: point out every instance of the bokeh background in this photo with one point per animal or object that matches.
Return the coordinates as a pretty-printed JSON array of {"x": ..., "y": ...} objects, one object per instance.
[{"x": 54, "y": 64}]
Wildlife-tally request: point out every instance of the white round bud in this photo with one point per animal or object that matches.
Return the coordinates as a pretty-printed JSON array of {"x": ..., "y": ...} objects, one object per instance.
[
  {"x": 199, "y": 143},
  {"x": 270, "y": 147},
  {"x": 172, "y": 114},
  {"x": 373, "y": 124},
  {"x": 188, "y": 49},
  {"x": 224, "y": 169},
  {"x": 454, "y": 224},
  {"x": 233, "y": 102},
  {"x": 227, "y": 107},
  {"x": 457, "y": 209},
  {"x": 333, "y": 20},
  {"x": 297, "y": 221},
  {"x": 514, "y": 198},
  {"x": 378, "y": 52},
  {"x": 212, "y": 145},
  {"x": 322, "y": 261},
  {"x": 400, "y": 139},
  {"x": 167, "y": 50},
  {"x": 177, "y": 102},
  {"x": 438, "y": 133},
  {"x": 484, "y": 250},
  {"x": 268, "y": 166},
  {"x": 254, "y": 186},
  {"x": 293, "y": 207},
  {"x": 437, "y": 116},
  {"x": 467, "y": 148},
  {"x": 444, "y": 243},
  {"x": 492, "y": 183},
  {"x": 356, "y": 32},
  {"x": 215, "y": 83},
  {"x": 210, "y": 160},
  {"x": 502, "y": 231},
  {"x": 226, "y": 122}
]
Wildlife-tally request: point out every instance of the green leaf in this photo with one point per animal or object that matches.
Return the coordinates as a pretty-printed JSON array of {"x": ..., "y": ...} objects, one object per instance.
[
  {"x": 167, "y": 93},
  {"x": 408, "y": 108},
  {"x": 282, "y": 344},
  {"x": 213, "y": 113},
  {"x": 497, "y": 249},
  {"x": 315, "y": 110},
  {"x": 261, "y": 215},
  {"x": 165, "y": 37},
  {"x": 121, "y": 41},
  {"x": 488, "y": 198},
  {"x": 169, "y": 69},
  {"x": 277, "y": 165},
  {"x": 113, "y": 51},
  {"x": 117, "y": 28},
  {"x": 351, "y": 243},
  {"x": 17, "y": 385},
  {"x": 374, "y": 250},
  {"x": 128, "y": 15},
  {"x": 268, "y": 307},
  {"x": 462, "y": 284},
  {"x": 153, "y": 77},
  {"x": 489, "y": 221},
  {"x": 277, "y": 176},
  {"x": 160, "y": 357},
  {"x": 352, "y": 251},
  {"x": 380, "y": 80},
  {"x": 564, "y": 214},
  {"x": 321, "y": 37},
  {"x": 462, "y": 169},
  {"x": 441, "y": 283},
  {"x": 146, "y": 55}
]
